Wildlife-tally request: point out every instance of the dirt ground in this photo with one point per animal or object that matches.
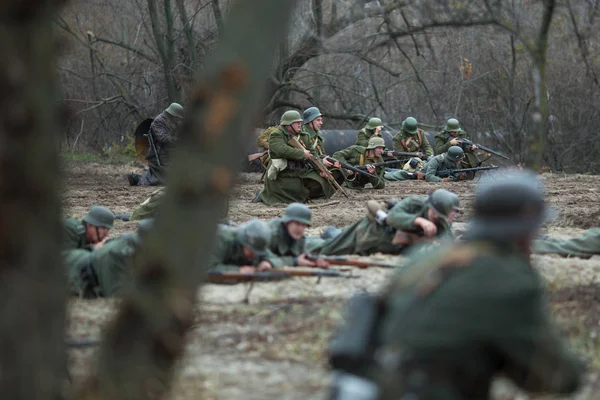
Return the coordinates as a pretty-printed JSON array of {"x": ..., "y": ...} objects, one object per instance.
[{"x": 274, "y": 347}]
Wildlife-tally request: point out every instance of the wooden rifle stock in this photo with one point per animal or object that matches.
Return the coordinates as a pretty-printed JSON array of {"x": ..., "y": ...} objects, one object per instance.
[
  {"x": 350, "y": 167},
  {"x": 254, "y": 156},
  {"x": 275, "y": 275},
  {"x": 350, "y": 261}
]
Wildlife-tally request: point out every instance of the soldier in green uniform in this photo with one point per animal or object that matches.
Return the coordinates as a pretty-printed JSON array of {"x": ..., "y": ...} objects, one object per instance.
[
  {"x": 312, "y": 123},
  {"x": 373, "y": 128},
  {"x": 450, "y": 136},
  {"x": 244, "y": 249},
  {"x": 290, "y": 177},
  {"x": 90, "y": 231},
  {"x": 456, "y": 319},
  {"x": 584, "y": 246},
  {"x": 442, "y": 162},
  {"x": 415, "y": 217},
  {"x": 287, "y": 237},
  {"x": 412, "y": 139},
  {"x": 106, "y": 271},
  {"x": 359, "y": 156}
]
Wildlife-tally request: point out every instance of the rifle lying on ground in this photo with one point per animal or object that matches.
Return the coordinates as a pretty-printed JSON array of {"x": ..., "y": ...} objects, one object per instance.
[
  {"x": 383, "y": 164},
  {"x": 350, "y": 261},
  {"x": 467, "y": 143},
  {"x": 350, "y": 167},
  {"x": 317, "y": 162},
  {"x": 275, "y": 275},
  {"x": 451, "y": 173}
]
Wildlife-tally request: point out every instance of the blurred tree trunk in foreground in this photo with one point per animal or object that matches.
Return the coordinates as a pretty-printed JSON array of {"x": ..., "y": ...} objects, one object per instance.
[
  {"x": 147, "y": 335},
  {"x": 32, "y": 280}
]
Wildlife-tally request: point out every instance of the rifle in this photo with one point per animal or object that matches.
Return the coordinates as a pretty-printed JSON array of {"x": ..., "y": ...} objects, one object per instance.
[
  {"x": 317, "y": 162},
  {"x": 350, "y": 261},
  {"x": 350, "y": 167},
  {"x": 383, "y": 164},
  {"x": 468, "y": 143},
  {"x": 405, "y": 154},
  {"x": 446, "y": 173},
  {"x": 254, "y": 156},
  {"x": 275, "y": 275}
]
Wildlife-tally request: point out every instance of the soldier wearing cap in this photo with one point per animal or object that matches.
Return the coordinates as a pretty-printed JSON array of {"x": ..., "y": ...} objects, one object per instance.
[
  {"x": 417, "y": 217},
  {"x": 106, "y": 271},
  {"x": 162, "y": 136},
  {"x": 287, "y": 237},
  {"x": 467, "y": 313},
  {"x": 290, "y": 176},
  {"x": 311, "y": 124},
  {"x": 451, "y": 136},
  {"x": 443, "y": 162},
  {"x": 364, "y": 156},
  {"x": 243, "y": 249},
  {"x": 90, "y": 231}
]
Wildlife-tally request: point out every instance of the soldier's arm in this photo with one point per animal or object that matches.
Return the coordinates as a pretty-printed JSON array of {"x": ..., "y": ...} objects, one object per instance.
[
  {"x": 402, "y": 216},
  {"x": 218, "y": 260},
  {"x": 396, "y": 142},
  {"x": 279, "y": 148},
  {"x": 344, "y": 156},
  {"x": 72, "y": 230},
  {"x": 276, "y": 262},
  {"x": 161, "y": 132},
  {"x": 441, "y": 146},
  {"x": 361, "y": 139},
  {"x": 379, "y": 182},
  {"x": 425, "y": 145},
  {"x": 113, "y": 264},
  {"x": 431, "y": 169}
]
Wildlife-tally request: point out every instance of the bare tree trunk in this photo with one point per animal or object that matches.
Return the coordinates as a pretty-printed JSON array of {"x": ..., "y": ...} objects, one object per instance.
[
  {"x": 218, "y": 15},
  {"x": 32, "y": 280},
  {"x": 189, "y": 35},
  {"x": 147, "y": 336}
]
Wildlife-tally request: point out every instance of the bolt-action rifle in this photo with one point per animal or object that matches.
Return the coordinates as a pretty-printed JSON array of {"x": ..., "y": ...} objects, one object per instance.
[
  {"x": 466, "y": 143},
  {"x": 350, "y": 261},
  {"x": 405, "y": 154},
  {"x": 452, "y": 173},
  {"x": 383, "y": 164},
  {"x": 275, "y": 275},
  {"x": 350, "y": 167}
]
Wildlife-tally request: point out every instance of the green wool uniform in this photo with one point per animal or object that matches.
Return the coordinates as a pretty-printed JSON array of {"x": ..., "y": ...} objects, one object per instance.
[
  {"x": 583, "y": 246},
  {"x": 366, "y": 236},
  {"x": 74, "y": 234},
  {"x": 356, "y": 156},
  {"x": 316, "y": 138},
  {"x": 299, "y": 180},
  {"x": 104, "y": 272},
  {"x": 442, "y": 144},
  {"x": 465, "y": 314},
  {"x": 363, "y": 136},
  {"x": 412, "y": 143},
  {"x": 227, "y": 254},
  {"x": 400, "y": 175},
  {"x": 436, "y": 164},
  {"x": 282, "y": 245}
]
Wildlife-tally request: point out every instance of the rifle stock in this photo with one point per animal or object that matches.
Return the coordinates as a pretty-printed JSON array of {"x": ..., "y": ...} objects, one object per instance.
[
  {"x": 276, "y": 275},
  {"x": 452, "y": 172},
  {"x": 350, "y": 261},
  {"x": 254, "y": 156},
  {"x": 350, "y": 167}
]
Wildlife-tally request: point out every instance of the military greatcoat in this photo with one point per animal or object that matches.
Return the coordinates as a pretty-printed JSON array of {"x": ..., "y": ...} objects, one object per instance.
[{"x": 586, "y": 245}]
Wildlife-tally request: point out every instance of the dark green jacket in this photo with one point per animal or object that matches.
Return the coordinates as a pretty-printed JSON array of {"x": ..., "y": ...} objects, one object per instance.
[
  {"x": 316, "y": 138},
  {"x": 283, "y": 245},
  {"x": 74, "y": 234},
  {"x": 404, "y": 141},
  {"x": 363, "y": 136},
  {"x": 436, "y": 164},
  {"x": 586, "y": 245},
  {"x": 227, "y": 254},
  {"x": 467, "y": 313},
  {"x": 442, "y": 144},
  {"x": 353, "y": 155}
]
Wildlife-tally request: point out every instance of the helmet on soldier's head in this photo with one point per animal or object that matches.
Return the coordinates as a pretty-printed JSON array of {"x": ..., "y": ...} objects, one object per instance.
[
  {"x": 511, "y": 204},
  {"x": 175, "y": 110},
  {"x": 289, "y": 117},
  {"x": 297, "y": 212},
  {"x": 256, "y": 235},
  {"x": 410, "y": 125},
  {"x": 310, "y": 114},
  {"x": 452, "y": 125},
  {"x": 455, "y": 153},
  {"x": 441, "y": 201},
  {"x": 375, "y": 142},
  {"x": 100, "y": 216},
  {"x": 374, "y": 123}
]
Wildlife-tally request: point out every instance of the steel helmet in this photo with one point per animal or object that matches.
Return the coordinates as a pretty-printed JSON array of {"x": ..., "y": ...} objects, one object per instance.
[
  {"x": 289, "y": 117},
  {"x": 410, "y": 125}
]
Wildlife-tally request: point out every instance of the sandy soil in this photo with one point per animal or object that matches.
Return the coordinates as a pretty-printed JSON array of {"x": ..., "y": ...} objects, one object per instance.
[{"x": 274, "y": 346}]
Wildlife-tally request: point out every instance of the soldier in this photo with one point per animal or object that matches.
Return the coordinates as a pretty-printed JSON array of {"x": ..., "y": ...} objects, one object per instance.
[
  {"x": 451, "y": 136},
  {"x": 405, "y": 223},
  {"x": 443, "y": 162},
  {"x": 312, "y": 123},
  {"x": 162, "y": 136},
  {"x": 106, "y": 271},
  {"x": 90, "y": 232},
  {"x": 456, "y": 319},
  {"x": 364, "y": 156},
  {"x": 411, "y": 139},
  {"x": 287, "y": 237},
  {"x": 244, "y": 249},
  {"x": 584, "y": 246},
  {"x": 373, "y": 128},
  {"x": 291, "y": 177}
]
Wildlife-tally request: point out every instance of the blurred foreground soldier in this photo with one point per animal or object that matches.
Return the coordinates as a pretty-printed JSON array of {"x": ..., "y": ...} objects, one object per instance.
[
  {"x": 312, "y": 123},
  {"x": 244, "y": 249},
  {"x": 287, "y": 237},
  {"x": 397, "y": 226},
  {"x": 360, "y": 156},
  {"x": 411, "y": 139},
  {"x": 162, "y": 136},
  {"x": 584, "y": 246},
  {"x": 443, "y": 162},
  {"x": 107, "y": 271},
  {"x": 373, "y": 128},
  {"x": 451, "y": 322},
  {"x": 451, "y": 136},
  {"x": 290, "y": 176},
  {"x": 90, "y": 231}
]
